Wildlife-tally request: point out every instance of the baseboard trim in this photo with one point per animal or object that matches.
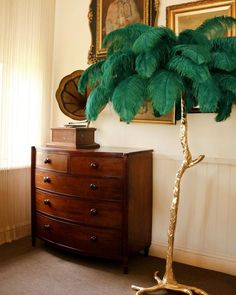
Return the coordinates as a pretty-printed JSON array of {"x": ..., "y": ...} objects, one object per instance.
[
  {"x": 207, "y": 261},
  {"x": 8, "y": 235}
]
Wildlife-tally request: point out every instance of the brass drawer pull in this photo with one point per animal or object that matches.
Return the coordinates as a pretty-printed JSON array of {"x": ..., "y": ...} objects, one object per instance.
[
  {"x": 94, "y": 165},
  {"x": 93, "y": 211},
  {"x": 47, "y": 227},
  {"x": 46, "y": 179},
  {"x": 47, "y": 161},
  {"x": 93, "y": 238},
  {"x": 93, "y": 186},
  {"x": 47, "y": 202}
]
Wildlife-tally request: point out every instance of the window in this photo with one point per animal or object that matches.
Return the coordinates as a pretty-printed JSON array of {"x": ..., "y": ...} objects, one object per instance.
[{"x": 26, "y": 39}]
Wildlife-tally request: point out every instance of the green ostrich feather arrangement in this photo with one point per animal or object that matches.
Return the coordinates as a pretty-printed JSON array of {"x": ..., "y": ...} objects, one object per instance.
[{"x": 154, "y": 64}]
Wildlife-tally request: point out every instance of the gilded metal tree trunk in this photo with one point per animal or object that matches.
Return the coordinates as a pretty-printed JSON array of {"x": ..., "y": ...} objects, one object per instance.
[
  {"x": 169, "y": 282},
  {"x": 186, "y": 163}
]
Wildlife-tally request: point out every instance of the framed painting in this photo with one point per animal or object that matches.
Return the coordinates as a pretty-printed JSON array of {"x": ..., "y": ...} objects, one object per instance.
[
  {"x": 192, "y": 14},
  {"x": 108, "y": 15}
]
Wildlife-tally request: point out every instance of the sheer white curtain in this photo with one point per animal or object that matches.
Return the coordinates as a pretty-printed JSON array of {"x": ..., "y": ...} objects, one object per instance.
[{"x": 26, "y": 47}]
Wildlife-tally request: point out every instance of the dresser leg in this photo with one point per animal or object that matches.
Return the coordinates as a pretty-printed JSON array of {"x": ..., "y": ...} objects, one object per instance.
[
  {"x": 125, "y": 266},
  {"x": 146, "y": 251},
  {"x": 125, "y": 269},
  {"x": 33, "y": 240}
]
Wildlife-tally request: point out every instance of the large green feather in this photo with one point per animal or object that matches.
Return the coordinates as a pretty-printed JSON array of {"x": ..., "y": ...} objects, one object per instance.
[
  {"x": 118, "y": 66},
  {"x": 224, "y": 108},
  {"x": 207, "y": 94},
  {"x": 224, "y": 44},
  {"x": 147, "y": 63},
  {"x": 129, "y": 97},
  {"x": 149, "y": 39},
  {"x": 189, "y": 36},
  {"x": 226, "y": 82},
  {"x": 90, "y": 77},
  {"x": 123, "y": 38},
  {"x": 197, "y": 53},
  {"x": 97, "y": 99},
  {"x": 223, "y": 61},
  {"x": 164, "y": 89},
  {"x": 188, "y": 69},
  {"x": 216, "y": 27}
]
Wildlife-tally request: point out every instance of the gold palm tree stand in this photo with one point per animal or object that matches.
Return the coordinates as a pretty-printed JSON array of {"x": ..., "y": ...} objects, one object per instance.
[{"x": 169, "y": 282}]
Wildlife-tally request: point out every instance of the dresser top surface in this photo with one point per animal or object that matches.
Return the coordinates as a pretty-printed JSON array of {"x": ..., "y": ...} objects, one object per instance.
[{"x": 118, "y": 151}]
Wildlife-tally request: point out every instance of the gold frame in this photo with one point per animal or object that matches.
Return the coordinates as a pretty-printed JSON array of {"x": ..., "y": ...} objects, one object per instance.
[
  {"x": 190, "y": 15},
  {"x": 96, "y": 15},
  {"x": 148, "y": 117}
]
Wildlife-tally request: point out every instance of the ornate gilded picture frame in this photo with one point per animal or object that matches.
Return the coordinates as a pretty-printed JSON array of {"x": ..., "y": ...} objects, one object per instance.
[
  {"x": 107, "y": 15},
  {"x": 192, "y": 14}
]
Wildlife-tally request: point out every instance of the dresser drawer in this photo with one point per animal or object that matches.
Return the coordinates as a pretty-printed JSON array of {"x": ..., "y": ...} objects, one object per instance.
[
  {"x": 87, "y": 187},
  {"x": 57, "y": 162},
  {"x": 85, "y": 239},
  {"x": 96, "y": 213},
  {"x": 97, "y": 166}
]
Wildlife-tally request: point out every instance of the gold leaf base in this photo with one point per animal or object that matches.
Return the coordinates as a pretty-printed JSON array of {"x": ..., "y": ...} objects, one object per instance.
[{"x": 162, "y": 285}]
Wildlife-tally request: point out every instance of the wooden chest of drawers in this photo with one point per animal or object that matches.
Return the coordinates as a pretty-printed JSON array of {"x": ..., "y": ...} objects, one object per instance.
[{"x": 95, "y": 202}]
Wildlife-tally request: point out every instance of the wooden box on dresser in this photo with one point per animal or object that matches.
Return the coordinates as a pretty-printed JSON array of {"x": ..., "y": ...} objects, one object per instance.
[{"x": 95, "y": 202}]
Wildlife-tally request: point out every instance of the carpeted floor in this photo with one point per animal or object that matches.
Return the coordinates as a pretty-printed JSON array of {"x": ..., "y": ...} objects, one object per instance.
[{"x": 46, "y": 271}]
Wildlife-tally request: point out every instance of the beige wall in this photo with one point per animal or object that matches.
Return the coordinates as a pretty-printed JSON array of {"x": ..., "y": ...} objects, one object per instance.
[{"x": 208, "y": 242}]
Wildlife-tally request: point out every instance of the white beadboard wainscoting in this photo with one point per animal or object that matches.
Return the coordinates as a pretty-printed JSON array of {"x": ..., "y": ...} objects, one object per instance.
[
  {"x": 206, "y": 225},
  {"x": 14, "y": 204}
]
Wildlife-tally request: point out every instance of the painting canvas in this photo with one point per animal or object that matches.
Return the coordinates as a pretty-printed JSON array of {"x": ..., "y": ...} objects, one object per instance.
[{"x": 146, "y": 115}]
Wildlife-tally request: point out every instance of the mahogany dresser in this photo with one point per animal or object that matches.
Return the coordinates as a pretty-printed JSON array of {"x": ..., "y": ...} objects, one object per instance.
[{"x": 95, "y": 202}]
